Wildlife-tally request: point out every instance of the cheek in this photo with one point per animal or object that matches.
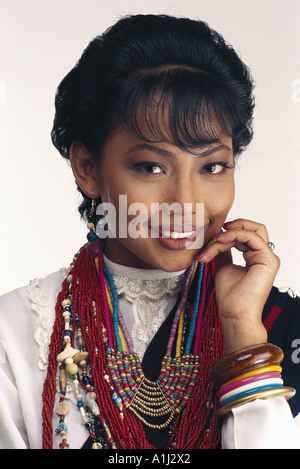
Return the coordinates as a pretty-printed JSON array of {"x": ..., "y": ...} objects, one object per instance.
[
  {"x": 132, "y": 211},
  {"x": 112, "y": 192},
  {"x": 218, "y": 205},
  {"x": 222, "y": 203}
]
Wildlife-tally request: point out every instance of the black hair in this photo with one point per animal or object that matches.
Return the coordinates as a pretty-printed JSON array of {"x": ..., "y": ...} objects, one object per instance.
[{"x": 146, "y": 65}]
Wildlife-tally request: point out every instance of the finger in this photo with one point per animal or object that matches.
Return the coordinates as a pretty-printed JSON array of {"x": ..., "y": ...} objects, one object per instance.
[
  {"x": 224, "y": 258},
  {"x": 215, "y": 249},
  {"x": 248, "y": 225},
  {"x": 248, "y": 242},
  {"x": 243, "y": 240}
]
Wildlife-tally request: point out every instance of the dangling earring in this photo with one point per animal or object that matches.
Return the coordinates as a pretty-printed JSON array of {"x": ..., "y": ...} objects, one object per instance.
[
  {"x": 92, "y": 213},
  {"x": 93, "y": 247},
  {"x": 101, "y": 226}
]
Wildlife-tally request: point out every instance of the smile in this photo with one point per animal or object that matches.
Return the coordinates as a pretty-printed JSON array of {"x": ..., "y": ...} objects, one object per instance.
[
  {"x": 177, "y": 235},
  {"x": 174, "y": 238}
]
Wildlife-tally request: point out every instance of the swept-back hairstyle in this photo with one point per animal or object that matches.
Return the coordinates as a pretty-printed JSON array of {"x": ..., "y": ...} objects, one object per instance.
[{"x": 146, "y": 67}]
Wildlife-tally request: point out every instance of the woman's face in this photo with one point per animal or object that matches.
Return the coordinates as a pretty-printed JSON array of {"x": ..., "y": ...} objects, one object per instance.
[{"x": 194, "y": 192}]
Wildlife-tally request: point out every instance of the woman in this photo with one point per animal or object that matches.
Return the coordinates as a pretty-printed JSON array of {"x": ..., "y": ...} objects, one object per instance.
[{"x": 156, "y": 339}]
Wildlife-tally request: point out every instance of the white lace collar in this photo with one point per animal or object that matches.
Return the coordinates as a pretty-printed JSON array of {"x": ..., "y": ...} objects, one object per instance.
[
  {"x": 133, "y": 272},
  {"x": 150, "y": 283}
]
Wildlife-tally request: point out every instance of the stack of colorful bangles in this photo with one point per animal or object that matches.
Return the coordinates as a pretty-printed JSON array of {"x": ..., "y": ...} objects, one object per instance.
[{"x": 249, "y": 374}]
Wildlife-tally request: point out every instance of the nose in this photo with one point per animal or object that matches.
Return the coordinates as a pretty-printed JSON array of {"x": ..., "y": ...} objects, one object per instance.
[
  {"x": 184, "y": 191},
  {"x": 185, "y": 200}
]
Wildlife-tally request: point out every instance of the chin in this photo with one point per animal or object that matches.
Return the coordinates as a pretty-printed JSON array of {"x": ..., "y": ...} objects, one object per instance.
[{"x": 177, "y": 263}]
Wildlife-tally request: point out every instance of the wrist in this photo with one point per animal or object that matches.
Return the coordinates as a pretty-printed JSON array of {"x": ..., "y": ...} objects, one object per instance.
[
  {"x": 240, "y": 334},
  {"x": 241, "y": 376}
]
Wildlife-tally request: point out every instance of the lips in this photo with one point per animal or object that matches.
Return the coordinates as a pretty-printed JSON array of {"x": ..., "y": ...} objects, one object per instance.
[
  {"x": 177, "y": 234},
  {"x": 174, "y": 238},
  {"x": 174, "y": 231}
]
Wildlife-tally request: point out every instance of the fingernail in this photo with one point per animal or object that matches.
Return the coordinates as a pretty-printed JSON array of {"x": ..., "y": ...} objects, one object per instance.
[
  {"x": 219, "y": 235},
  {"x": 226, "y": 224},
  {"x": 201, "y": 254}
]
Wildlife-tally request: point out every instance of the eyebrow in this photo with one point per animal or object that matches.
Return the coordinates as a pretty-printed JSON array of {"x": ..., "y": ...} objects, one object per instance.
[{"x": 162, "y": 151}]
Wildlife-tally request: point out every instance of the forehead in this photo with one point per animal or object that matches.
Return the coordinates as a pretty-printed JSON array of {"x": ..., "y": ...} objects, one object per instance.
[
  {"x": 163, "y": 121},
  {"x": 125, "y": 143}
]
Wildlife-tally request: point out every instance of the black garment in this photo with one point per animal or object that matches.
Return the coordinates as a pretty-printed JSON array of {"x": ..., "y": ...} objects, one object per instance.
[{"x": 285, "y": 333}]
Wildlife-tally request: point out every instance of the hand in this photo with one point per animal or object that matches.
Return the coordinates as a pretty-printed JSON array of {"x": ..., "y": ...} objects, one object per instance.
[{"x": 242, "y": 291}]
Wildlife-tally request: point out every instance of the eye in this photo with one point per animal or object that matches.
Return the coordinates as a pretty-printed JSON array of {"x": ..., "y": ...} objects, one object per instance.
[
  {"x": 149, "y": 168},
  {"x": 216, "y": 168}
]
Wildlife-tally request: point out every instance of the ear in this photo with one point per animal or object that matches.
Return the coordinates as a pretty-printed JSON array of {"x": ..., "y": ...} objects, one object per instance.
[{"x": 84, "y": 169}]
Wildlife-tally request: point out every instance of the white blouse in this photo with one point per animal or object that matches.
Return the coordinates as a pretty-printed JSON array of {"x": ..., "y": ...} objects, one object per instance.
[{"x": 26, "y": 319}]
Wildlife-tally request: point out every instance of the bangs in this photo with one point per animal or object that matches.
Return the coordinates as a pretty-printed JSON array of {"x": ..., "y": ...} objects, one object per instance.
[{"x": 181, "y": 105}]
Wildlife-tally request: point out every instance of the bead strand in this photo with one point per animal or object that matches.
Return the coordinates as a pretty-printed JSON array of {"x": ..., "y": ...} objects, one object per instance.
[
  {"x": 193, "y": 320},
  {"x": 115, "y": 307},
  {"x": 178, "y": 311},
  {"x": 201, "y": 309}
]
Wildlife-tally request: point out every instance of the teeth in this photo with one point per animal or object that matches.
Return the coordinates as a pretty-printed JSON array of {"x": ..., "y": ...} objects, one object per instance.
[{"x": 176, "y": 235}]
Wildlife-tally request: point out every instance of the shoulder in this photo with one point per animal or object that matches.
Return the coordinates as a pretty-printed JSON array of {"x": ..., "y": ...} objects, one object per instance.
[
  {"x": 39, "y": 292},
  {"x": 27, "y": 313},
  {"x": 281, "y": 314},
  {"x": 282, "y": 320},
  {"x": 281, "y": 309}
]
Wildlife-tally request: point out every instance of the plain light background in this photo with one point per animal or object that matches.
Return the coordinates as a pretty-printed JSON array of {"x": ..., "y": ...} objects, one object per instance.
[{"x": 40, "y": 41}]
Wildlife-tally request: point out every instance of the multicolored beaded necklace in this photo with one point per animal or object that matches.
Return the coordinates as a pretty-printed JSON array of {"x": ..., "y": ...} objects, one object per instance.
[
  {"x": 114, "y": 397},
  {"x": 169, "y": 394}
]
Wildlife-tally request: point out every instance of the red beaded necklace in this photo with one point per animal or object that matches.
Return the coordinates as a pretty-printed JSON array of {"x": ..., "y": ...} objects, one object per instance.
[{"x": 193, "y": 422}]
